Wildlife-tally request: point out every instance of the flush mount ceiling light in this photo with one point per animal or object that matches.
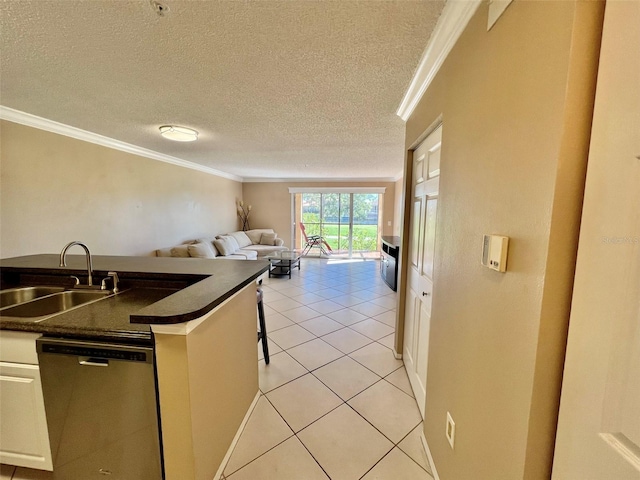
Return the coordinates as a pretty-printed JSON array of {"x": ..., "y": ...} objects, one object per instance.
[{"x": 178, "y": 134}]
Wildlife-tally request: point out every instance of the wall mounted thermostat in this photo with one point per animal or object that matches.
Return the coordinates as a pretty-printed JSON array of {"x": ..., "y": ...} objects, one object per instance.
[{"x": 494, "y": 252}]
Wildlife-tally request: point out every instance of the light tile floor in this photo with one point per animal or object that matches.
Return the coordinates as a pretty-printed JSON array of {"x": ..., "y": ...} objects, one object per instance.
[{"x": 335, "y": 403}]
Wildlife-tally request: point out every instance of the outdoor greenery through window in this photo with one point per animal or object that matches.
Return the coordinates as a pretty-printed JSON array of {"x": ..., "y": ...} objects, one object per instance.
[{"x": 347, "y": 221}]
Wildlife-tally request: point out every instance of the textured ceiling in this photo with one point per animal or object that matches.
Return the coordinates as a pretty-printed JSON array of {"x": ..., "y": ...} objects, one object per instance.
[{"x": 277, "y": 89}]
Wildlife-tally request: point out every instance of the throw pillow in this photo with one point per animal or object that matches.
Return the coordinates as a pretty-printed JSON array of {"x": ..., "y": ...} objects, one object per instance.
[
  {"x": 201, "y": 250},
  {"x": 210, "y": 242},
  {"x": 232, "y": 241},
  {"x": 242, "y": 239},
  {"x": 205, "y": 240},
  {"x": 225, "y": 246},
  {"x": 255, "y": 234},
  {"x": 268, "y": 239},
  {"x": 180, "y": 251}
]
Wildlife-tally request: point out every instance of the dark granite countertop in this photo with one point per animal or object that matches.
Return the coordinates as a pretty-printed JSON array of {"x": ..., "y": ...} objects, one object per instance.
[
  {"x": 155, "y": 291},
  {"x": 390, "y": 240},
  {"x": 106, "y": 319}
]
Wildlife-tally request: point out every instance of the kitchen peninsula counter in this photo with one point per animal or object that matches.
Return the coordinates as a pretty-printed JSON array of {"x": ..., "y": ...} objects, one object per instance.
[
  {"x": 154, "y": 291},
  {"x": 199, "y": 315}
]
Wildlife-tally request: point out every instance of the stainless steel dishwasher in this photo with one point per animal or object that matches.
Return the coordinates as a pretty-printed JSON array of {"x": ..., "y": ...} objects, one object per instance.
[{"x": 102, "y": 410}]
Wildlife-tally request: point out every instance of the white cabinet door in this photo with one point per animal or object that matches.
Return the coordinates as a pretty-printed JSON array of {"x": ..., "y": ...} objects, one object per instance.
[{"x": 24, "y": 440}]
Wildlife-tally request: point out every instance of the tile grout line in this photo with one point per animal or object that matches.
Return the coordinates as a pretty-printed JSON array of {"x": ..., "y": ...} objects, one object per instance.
[
  {"x": 343, "y": 355},
  {"x": 374, "y": 465},
  {"x": 344, "y": 402}
]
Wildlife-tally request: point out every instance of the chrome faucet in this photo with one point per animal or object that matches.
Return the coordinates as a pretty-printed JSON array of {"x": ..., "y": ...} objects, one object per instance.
[
  {"x": 114, "y": 278},
  {"x": 63, "y": 259}
]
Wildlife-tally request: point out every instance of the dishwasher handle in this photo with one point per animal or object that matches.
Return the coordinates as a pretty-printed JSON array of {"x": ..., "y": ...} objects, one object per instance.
[{"x": 93, "y": 362}]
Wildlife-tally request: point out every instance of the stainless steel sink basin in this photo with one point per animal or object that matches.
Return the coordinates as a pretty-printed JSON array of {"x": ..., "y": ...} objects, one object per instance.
[
  {"x": 25, "y": 294},
  {"x": 54, "y": 303}
]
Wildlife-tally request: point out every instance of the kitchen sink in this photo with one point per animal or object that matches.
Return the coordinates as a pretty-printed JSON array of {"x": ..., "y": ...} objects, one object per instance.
[
  {"x": 54, "y": 303},
  {"x": 25, "y": 294}
]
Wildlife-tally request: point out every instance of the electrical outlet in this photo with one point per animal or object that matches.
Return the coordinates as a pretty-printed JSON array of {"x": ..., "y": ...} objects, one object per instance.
[{"x": 451, "y": 430}]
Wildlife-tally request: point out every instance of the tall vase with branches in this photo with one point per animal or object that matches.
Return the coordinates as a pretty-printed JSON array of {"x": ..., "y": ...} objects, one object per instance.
[{"x": 243, "y": 213}]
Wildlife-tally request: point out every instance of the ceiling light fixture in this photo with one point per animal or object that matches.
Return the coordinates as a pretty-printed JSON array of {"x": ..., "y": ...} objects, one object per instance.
[{"x": 178, "y": 134}]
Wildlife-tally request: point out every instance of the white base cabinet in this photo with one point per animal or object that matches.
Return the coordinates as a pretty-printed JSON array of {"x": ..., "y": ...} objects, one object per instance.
[{"x": 24, "y": 439}]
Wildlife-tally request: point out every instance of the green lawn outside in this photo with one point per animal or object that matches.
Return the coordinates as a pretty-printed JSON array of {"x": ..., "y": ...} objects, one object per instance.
[{"x": 365, "y": 237}]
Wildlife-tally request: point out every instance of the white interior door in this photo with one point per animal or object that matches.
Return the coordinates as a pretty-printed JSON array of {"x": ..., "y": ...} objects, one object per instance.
[
  {"x": 420, "y": 285},
  {"x": 599, "y": 424}
]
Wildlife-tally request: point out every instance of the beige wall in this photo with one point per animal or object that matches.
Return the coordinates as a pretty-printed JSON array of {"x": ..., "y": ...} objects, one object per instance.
[
  {"x": 271, "y": 202},
  {"x": 516, "y": 104},
  {"x": 56, "y": 189}
]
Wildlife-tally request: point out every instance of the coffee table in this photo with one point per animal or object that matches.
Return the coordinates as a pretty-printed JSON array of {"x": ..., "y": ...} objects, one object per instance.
[{"x": 282, "y": 263}]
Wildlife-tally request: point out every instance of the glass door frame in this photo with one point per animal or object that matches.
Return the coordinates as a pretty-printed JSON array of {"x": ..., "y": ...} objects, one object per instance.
[{"x": 296, "y": 212}]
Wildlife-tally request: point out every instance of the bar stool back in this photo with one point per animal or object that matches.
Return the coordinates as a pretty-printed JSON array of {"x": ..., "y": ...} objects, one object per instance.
[{"x": 262, "y": 333}]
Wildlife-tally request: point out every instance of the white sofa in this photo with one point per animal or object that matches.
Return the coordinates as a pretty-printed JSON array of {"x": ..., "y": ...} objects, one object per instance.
[{"x": 249, "y": 245}]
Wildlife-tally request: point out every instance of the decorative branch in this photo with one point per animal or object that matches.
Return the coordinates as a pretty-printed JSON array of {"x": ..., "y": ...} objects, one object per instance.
[{"x": 243, "y": 213}]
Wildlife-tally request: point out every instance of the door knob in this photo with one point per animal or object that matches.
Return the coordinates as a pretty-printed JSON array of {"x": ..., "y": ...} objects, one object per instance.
[{"x": 426, "y": 294}]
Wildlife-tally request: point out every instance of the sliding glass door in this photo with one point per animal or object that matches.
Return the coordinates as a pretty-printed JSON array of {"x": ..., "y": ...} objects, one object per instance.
[
  {"x": 366, "y": 219},
  {"x": 348, "y": 222}
]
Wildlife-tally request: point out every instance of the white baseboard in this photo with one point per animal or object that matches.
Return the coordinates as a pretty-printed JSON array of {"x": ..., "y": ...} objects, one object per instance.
[
  {"x": 434, "y": 472},
  {"x": 397, "y": 355},
  {"x": 237, "y": 436}
]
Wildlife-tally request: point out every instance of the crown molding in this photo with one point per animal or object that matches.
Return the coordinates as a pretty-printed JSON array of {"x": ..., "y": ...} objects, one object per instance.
[
  {"x": 349, "y": 180},
  {"x": 452, "y": 22},
  {"x": 23, "y": 118},
  {"x": 337, "y": 189}
]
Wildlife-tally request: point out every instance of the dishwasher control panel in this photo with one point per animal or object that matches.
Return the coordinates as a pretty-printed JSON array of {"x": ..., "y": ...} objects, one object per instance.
[{"x": 95, "y": 350}]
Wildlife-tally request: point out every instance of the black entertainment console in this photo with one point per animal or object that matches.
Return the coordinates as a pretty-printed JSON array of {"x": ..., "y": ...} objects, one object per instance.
[{"x": 389, "y": 261}]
